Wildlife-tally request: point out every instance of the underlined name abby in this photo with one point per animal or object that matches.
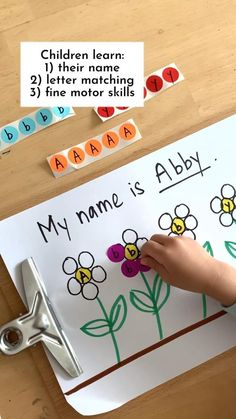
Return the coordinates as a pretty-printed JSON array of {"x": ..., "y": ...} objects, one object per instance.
[{"x": 179, "y": 169}]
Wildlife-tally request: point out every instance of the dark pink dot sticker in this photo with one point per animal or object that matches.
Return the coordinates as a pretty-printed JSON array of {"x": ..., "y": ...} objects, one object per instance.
[
  {"x": 154, "y": 83},
  {"x": 143, "y": 268},
  {"x": 105, "y": 112},
  {"x": 122, "y": 108},
  {"x": 170, "y": 74},
  {"x": 130, "y": 268},
  {"x": 116, "y": 253},
  {"x": 144, "y": 92}
]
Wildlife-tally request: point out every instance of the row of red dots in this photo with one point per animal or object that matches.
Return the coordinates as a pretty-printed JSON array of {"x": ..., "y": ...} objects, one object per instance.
[{"x": 153, "y": 83}]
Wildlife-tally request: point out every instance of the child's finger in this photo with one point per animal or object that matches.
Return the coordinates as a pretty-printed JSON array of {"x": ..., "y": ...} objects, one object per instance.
[
  {"x": 154, "y": 250},
  {"x": 160, "y": 238},
  {"x": 153, "y": 264}
]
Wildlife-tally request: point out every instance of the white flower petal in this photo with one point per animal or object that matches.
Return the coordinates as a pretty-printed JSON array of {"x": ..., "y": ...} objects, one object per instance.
[
  {"x": 69, "y": 266},
  {"x": 227, "y": 191},
  {"x": 172, "y": 234},
  {"x": 215, "y": 205},
  {"x": 165, "y": 221},
  {"x": 235, "y": 200},
  {"x": 182, "y": 211},
  {"x": 129, "y": 236},
  {"x": 99, "y": 274},
  {"x": 234, "y": 214},
  {"x": 73, "y": 286},
  {"x": 189, "y": 233},
  {"x": 86, "y": 260},
  {"x": 191, "y": 222},
  {"x": 90, "y": 291},
  {"x": 140, "y": 242},
  {"x": 226, "y": 219}
]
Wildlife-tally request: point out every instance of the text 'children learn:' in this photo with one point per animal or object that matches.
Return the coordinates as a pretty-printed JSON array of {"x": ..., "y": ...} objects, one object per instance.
[{"x": 49, "y": 54}]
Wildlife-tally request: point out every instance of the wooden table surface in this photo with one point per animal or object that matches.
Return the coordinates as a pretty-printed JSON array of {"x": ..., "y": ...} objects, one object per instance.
[{"x": 200, "y": 37}]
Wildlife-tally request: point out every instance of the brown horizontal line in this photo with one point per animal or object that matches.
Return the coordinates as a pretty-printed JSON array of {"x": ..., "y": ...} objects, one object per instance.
[{"x": 145, "y": 351}]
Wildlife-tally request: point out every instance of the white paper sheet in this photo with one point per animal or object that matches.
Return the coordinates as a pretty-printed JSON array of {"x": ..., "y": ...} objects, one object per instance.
[{"x": 136, "y": 346}]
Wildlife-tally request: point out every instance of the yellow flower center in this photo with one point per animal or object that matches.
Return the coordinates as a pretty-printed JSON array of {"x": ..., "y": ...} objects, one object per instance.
[
  {"x": 83, "y": 275},
  {"x": 178, "y": 226},
  {"x": 227, "y": 205},
  {"x": 131, "y": 251}
]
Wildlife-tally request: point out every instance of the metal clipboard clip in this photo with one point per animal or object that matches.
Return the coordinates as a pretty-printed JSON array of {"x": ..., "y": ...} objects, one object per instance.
[{"x": 40, "y": 324}]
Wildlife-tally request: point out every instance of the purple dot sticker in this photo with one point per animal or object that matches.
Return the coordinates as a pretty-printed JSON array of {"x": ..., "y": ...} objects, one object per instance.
[
  {"x": 116, "y": 253},
  {"x": 130, "y": 268},
  {"x": 143, "y": 268}
]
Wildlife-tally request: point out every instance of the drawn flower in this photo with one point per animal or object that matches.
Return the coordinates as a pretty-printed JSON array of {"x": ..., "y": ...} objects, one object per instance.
[
  {"x": 181, "y": 224},
  {"x": 225, "y": 205},
  {"x": 129, "y": 253},
  {"x": 83, "y": 275}
]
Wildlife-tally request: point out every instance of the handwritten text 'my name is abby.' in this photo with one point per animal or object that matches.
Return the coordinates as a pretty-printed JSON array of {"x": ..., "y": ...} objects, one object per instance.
[{"x": 175, "y": 171}]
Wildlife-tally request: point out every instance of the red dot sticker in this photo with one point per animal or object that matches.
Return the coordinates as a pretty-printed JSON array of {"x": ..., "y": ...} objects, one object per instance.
[
  {"x": 58, "y": 163},
  {"x": 154, "y": 83},
  {"x": 144, "y": 92},
  {"x": 105, "y": 112},
  {"x": 170, "y": 74},
  {"x": 122, "y": 108}
]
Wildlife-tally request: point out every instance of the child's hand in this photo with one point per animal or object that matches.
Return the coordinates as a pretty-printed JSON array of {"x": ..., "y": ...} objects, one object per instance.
[{"x": 182, "y": 262}]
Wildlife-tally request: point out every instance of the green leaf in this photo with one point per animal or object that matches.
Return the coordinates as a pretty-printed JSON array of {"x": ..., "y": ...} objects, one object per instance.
[
  {"x": 155, "y": 285},
  {"x": 118, "y": 313},
  {"x": 166, "y": 296},
  {"x": 96, "y": 328},
  {"x": 231, "y": 248},
  {"x": 208, "y": 248},
  {"x": 158, "y": 291},
  {"x": 142, "y": 301}
]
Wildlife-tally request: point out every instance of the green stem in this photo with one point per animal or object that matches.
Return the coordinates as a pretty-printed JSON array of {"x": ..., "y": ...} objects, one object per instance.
[
  {"x": 111, "y": 331},
  {"x": 115, "y": 346},
  {"x": 159, "y": 324},
  {"x": 204, "y": 306},
  {"x": 154, "y": 304}
]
